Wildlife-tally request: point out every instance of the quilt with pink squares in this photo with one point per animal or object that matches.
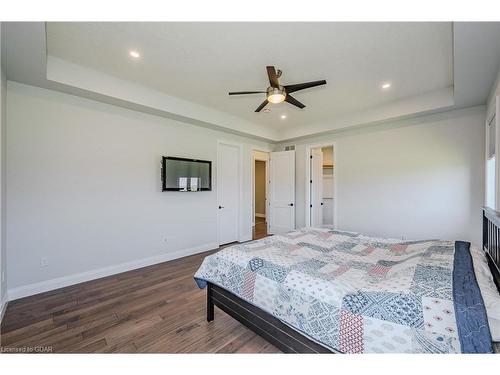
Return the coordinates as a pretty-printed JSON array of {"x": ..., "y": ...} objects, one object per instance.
[{"x": 358, "y": 294}]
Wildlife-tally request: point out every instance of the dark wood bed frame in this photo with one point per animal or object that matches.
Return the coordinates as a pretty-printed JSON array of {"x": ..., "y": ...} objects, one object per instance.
[
  {"x": 491, "y": 241},
  {"x": 289, "y": 340},
  {"x": 264, "y": 324}
]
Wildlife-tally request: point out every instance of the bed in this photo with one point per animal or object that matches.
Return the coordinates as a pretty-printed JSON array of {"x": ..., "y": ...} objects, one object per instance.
[{"x": 320, "y": 290}]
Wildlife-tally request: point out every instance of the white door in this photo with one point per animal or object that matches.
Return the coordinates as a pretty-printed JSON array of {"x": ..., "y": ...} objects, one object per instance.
[
  {"x": 281, "y": 192},
  {"x": 316, "y": 169},
  {"x": 328, "y": 199},
  {"x": 228, "y": 192}
]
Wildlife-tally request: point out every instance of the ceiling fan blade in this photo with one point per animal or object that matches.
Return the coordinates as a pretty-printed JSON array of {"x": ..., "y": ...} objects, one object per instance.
[
  {"x": 290, "y": 99},
  {"x": 264, "y": 103},
  {"x": 246, "y": 92},
  {"x": 305, "y": 85},
  {"x": 273, "y": 78}
]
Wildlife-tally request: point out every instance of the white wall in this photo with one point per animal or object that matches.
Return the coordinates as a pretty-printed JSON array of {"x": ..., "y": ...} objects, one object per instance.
[
  {"x": 493, "y": 104},
  {"x": 494, "y": 93},
  {"x": 83, "y": 185},
  {"x": 83, "y": 189},
  {"x": 3, "y": 263},
  {"x": 419, "y": 178}
]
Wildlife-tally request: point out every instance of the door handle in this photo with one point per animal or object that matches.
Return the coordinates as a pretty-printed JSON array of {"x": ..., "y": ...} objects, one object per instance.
[
  {"x": 290, "y": 204},
  {"x": 220, "y": 207}
]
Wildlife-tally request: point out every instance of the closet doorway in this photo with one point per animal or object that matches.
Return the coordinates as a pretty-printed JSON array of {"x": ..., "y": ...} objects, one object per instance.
[
  {"x": 260, "y": 194},
  {"x": 320, "y": 191}
]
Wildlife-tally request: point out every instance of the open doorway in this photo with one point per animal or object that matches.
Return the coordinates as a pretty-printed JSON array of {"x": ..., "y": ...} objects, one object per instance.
[
  {"x": 260, "y": 200},
  {"x": 321, "y": 202}
]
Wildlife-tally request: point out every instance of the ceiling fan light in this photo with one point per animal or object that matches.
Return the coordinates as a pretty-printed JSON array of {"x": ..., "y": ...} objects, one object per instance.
[
  {"x": 276, "y": 95},
  {"x": 276, "y": 98}
]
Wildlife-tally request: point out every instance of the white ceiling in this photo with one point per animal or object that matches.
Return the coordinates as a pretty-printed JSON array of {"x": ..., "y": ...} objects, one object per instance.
[
  {"x": 476, "y": 47},
  {"x": 186, "y": 69},
  {"x": 201, "y": 62}
]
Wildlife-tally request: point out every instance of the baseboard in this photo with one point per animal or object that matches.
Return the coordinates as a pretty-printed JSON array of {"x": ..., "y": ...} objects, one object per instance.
[
  {"x": 245, "y": 239},
  {"x": 260, "y": 215},
  {"x": 3, "y": 309},
  {"x": 61, "y": 282}
]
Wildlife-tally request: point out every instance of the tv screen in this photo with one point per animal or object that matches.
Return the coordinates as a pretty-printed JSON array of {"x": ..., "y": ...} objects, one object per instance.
[{"x": 180, "y": 174}]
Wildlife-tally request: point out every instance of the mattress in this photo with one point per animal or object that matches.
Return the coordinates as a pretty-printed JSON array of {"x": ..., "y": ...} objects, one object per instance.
[{"x": 358, "y": 294}]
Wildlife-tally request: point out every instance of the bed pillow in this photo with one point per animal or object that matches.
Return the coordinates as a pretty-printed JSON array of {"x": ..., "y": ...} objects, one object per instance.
[{"x": 489, "y": 291}]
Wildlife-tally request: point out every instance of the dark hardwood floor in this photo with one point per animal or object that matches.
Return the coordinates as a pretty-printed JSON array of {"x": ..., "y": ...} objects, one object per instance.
[
  {"x": 153, "y": 309},
  {"x": 156, "y": 309},
  {"x": 260, "y": 228}
]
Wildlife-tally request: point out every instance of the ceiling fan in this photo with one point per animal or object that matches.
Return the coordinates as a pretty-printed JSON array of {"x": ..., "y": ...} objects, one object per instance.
[{"x": 277, "y": 93}]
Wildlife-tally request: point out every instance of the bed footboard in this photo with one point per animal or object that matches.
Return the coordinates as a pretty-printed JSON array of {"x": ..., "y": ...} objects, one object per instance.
[
  {"x": 491, "y": 241},
  {"x": 210, "y": 303}
]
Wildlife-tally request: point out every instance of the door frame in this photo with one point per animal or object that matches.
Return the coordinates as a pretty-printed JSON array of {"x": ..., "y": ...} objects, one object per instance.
[
  {"x": 266, "y": 163},
  {"x": 240, "y": 186},
  {"x": 267, "y": 150},
  {"x": 307, "y": 208},
  {"x": 313, "y": 215}
]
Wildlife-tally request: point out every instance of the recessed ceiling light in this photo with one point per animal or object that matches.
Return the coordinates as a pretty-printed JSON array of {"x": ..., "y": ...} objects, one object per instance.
[
  {"x": 134, "y": 54},
  {"x": 283, "y": 117},
  {"x": 386, "y": 85}
]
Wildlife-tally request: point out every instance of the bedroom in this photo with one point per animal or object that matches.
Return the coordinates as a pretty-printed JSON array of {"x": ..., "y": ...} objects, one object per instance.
[{"x": 167, "y": 188}]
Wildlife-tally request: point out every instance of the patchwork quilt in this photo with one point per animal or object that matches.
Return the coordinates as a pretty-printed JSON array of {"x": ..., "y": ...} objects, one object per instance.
[{"x": 357, "y": 294}]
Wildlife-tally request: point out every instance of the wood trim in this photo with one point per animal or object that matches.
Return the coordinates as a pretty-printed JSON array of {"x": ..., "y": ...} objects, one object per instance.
[{"x": 264, "y": 324}]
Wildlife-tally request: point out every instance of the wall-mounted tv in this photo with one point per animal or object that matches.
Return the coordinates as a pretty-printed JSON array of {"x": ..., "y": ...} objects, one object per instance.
[{"x": 180, "y": 174}]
